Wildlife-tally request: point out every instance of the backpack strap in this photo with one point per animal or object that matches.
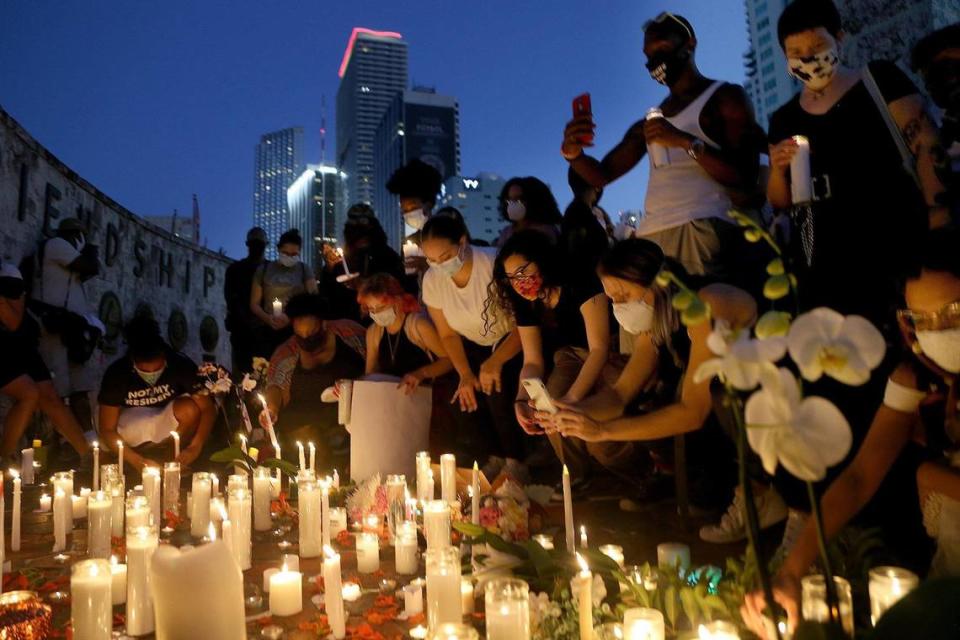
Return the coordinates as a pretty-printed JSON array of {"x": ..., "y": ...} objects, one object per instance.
[{"x": 906, "y": 156}]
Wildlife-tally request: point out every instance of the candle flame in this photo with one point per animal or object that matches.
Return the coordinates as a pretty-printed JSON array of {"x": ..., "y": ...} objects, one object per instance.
[
  {"x": 470, "y": 491},
  {"x": 113, "y": 560},
  {"x": 243, "y": 438},
  {"x": 120, "y": 444},
  {"x": 284, "y": 569},
  {"x": 212, "y": 532},
  {"x": 566, "y": 471},
  {"x": 96, "y": 445},
  {"x": 175, "y": 435},
  {"x": 223, "y": 513},
  {"x": 328, "y": 552},
  {"x": 584, "y": 567},
  {"x": 14, "y": 473},
  {"x": 703, "y": 632}
]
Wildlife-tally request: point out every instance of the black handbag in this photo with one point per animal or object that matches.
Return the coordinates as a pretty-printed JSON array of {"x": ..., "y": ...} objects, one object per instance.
[{"x": 79, "y": 338}]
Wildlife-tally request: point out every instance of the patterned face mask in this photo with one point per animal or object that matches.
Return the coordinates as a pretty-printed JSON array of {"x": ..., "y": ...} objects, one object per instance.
[
  {"x": 527, "y": 286},
  {"x": 815, "y": 71}
]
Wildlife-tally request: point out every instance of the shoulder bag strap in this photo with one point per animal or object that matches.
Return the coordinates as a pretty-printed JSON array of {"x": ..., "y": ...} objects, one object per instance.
[{"x": 906, "y": 156}]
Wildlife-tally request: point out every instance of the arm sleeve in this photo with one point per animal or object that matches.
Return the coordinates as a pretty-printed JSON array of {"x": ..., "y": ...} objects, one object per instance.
[
  {"x": 61, "y": 252},
  {"x": 526, "y": 315},
  {"x": 431, "y": 294}
]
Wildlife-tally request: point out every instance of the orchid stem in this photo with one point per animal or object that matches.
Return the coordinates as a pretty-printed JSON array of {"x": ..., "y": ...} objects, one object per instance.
[{"x": 833, "y": 604}]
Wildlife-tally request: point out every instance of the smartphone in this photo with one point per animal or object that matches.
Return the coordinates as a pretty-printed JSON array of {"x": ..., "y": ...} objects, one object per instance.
[
  {"x": 539, "y": 394},
  {"x": 582, "y": 107}
]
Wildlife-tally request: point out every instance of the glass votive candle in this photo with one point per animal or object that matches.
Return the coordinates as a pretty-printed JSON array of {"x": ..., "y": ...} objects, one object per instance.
[
  {"x": 507, "y": 609},
  {"x": 887, "y": 586},
  {"x": 444, "y": 602},
  {"x": 611, "y": 631},
  {"x": 455, "y": 631},
  {"x": 813, "y": 601},
  {"x": 641, "y": 623},
  {"x": 544, "y": 541},
  {"x": 614, "y": 552},
  {"x": 405, "y": 548},
  {"x": 718, "y": 630}
]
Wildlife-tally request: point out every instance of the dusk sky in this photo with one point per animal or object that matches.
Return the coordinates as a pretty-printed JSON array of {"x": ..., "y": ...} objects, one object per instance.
[{"x": 152, "y": 102}]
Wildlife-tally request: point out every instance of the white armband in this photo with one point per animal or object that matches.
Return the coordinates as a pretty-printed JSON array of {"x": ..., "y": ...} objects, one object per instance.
[{"x": 901, "y": 398}]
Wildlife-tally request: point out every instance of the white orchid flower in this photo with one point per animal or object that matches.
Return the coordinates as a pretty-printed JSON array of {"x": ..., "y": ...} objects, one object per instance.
[
  {"x": 805, "y": 435},
  {"x": 847, "y": 349},
  {"x": 741, "y": 360},
  {"x": 248, "y": 384}
]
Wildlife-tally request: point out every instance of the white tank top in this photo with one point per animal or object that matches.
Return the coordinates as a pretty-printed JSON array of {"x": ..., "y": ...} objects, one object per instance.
[{"x": 683, "y": 191}]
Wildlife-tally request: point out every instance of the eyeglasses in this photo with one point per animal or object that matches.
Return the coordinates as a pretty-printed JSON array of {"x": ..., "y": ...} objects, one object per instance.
[
  {"x": 663, "y": 17},
  {"x": 948, "y": 317},
  {"x": 520, "y": 274}
]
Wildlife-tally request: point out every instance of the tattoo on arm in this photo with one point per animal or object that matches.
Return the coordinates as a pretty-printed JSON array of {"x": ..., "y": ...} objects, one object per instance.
[{"x": 912, "y": 131}]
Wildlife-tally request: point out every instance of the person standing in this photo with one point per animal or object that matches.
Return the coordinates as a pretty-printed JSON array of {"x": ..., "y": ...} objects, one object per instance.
[
  {"x": 712, "y": 144},
  {"x": 527, "y": 203},
  {"x": 237, "y": 283}
]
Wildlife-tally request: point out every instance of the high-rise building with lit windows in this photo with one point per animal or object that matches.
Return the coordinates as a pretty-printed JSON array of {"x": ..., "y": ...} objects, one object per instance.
[
  {"x": 279, "y": 161},
  {"x": 314, "y": 200},
  {"x": 372, "y": 72},
  {"x": 478, "y": 200},
  {"x": 767, "y": 83}
]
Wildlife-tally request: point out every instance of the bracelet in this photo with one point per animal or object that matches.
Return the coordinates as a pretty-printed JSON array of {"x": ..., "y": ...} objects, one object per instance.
[{"x": 568, "y": 158}]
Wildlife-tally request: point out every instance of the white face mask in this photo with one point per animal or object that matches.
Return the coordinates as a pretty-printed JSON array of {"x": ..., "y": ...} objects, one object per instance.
[
  {"x": 943, "y": 347},
  {"x": 384, "y": 318},
  {"x": 449, "y": 267},
  {"x": 635, "y": 317},
  {"x": 288, "y": 261},
  {"x": 816, "y": 71},
  {"x": 516, "y": 210},
  {"x": 415, "y": 218},
  {"x": 150, "y": 377}
]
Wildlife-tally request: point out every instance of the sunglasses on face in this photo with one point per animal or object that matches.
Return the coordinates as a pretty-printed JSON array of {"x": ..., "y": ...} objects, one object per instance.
[
  {"x": 665, "y": 16},
  {"x": 948, "y": 317}
]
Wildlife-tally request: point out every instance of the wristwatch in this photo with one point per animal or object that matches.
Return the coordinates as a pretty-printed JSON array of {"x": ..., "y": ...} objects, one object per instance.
[{"x": 695, "y": 150}]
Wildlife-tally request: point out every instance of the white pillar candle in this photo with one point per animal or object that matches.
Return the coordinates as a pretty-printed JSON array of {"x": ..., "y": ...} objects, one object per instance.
[
  {"x": 96, "y": 466},
  {"x": 277, "y": 475},
  {"x": 475, "y": 495},
  {"x": 670, "y": 555},
  {"x": 405, "y": 549},
  {"x": 141, "y": 544},
  {"x": 63, "y": 480},
  {"x": 85, "y": 492},
  {"x": 26, "y": 465},
  {"x": 277, "y": 307},
  {"x": 239, "y": 508},
  {"x": 507, "y": 609},
  {"x": 308, "y": 498},
  {"x": 91, "y": 603},
  {"x": 413, "y": 598},
  {"x": 118, "y": 506},
  {"x": 176, "y": 444},
  {"x": 118, "y": 580},
  {"x": 198, "y": 593},
  {"x": 718, "y": 630},
  {"x": 887, "y": 586},
  {"x": 15, "y": 525},
  {"x": 544, "y": 541},
  {"x": 267, "y": 574},
  {"x": 138, "y": 510},
  {"x": 641, "y": 623},
  {"x": 396, "y": 492},
  {"x": 581, "y": 586},
  {"x": 614, "y": 552},
  {"x": 423, "y": 470},
  {"x": 336, "y": 479},
  {"x": 99, "y": 517},
  {"x": 46, "y": 502},
  {"x": 171, "y": 487},
  {"x": 286, "y": 593},
  {"x": 568, "y": 510},
  {"x": 333, "y": 596},
  {"x": 123, "y": 476},
  {"x": 584, "y": 543},
  {"x": 313, "y": 456},
  {"x": 218, "y": 513},
  {"x": 436, "y": 524},
  {"x": 269, "y": 420},
  {"x": 61, "y": 515},
  {"x": 338, "y": 521},
  {"x": 325, "y": 525},
  {"x": 240, "y": 481},
  {"x": 200, "y": 515},
  {"x": 214, "y": 485},
  {"x": 368, "y": 552},
  {"x": 261, "y": 499},
  {"x": 301, "y": 456},
  {"x": 466, "y": 596},
  {"x": 448, "y": 477},
  {"x": 151, "y": 489},
  {"x": 800, "y": 183},
  {"x": 444, "y": 603},
  {"x": 79, "y": 507}
]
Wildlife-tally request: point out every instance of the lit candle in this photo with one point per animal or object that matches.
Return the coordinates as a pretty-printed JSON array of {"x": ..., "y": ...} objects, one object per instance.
[
  {"x": 396, "y": 491},
  {"x": 584, "y": 544},
  {"x": 100, "y": 512},
  {"x": 325, "y": 524},
  {"x": 141, "y": 544},
  {"x": 448, "y": 477},
  {"x": 313, "y": 456},
  {"x": 582, "y": 587},
  {"x": 303, "y": 461},
  {"x": 338, "y": 521},
  {"x": 96, "y": 466},
  {"x": 671, "y": 555},
  {"x": 308, "y": 496},
  {"x": 413, "y": 598},
  {"x": 197, "y": 593},
  {"x": 91, "y": 604},
  {"x": 237, "y": 481},
  {"x": 346, "y": 267},
  {"x": 423, "y": 469},
  {"x": 718, "y": 630},
  {"x": 84, "y": 492},
  {"x": 171, "y": 487},
  {"x": 800, "y": 183},
  {"x": 151, "y": 488},
  {"x": 214, "y": 485},
  {"x": 614, "y": 552},
  {"x": 15, "y": 527},
  {"x": 218, "y": 512},
  {"x": 813, "y": 602},
  {"x": 269, "y": 420},
  {"x": 507, "y": 609},
  {"x": 200, "y": 515},
  {"x": 371, "y": 523},
  {"x": 119, "y": 506},
  {"x": 887, "y": 586},
  {"x": 641, "y": 623},
  {"x": 568, "y": 510},
  {"x": 475, "y": 495},
  {"x": 368, "y": 552},
  {"x": 336, "y": 479},
  {"x": 26, "y": 465},
  {"x": 267, "y": 574},
  {"x": 79, "y": 507},
  {"x": 333, "y": 596},
  {"x": 45, "y": 502},
  {"x": 138, "y": 510},
  {"x": 418, "y": 632},
  {"x": 351, "y": 592},
  {"x": 261, "y": 499},
  {"x": 239, "y": 508},
  {"x": 61, "y": 515},
  {"x": 277, "y": 307},
  {"x": 123, "y": 477},
  {"x": 286, "y": 593},
  {"x": 118, "y": 581},
  {"x": 63, "y": 480},
  {"x": 444, "y": 603},
  {"x": 544, "y": 541},
  {"x": 436, "y": 524},
  {"x": 405, "y": 549},
  {"x": 466, "y": 595}
]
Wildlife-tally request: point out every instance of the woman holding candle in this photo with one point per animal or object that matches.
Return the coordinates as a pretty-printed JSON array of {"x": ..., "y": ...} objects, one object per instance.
[{"x": 919, "y": 405}]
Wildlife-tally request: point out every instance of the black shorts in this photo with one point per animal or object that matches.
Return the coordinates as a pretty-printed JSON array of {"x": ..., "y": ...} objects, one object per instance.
[{"x": 20, "y": 357}]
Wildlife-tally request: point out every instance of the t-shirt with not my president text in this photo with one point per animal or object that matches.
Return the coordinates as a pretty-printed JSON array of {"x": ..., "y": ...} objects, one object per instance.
[{"x": 123, "y": 387}]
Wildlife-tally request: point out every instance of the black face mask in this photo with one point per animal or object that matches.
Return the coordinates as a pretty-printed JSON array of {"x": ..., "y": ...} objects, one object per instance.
[
  {"x": 666, "y": 66},
  {"x": 312, "y": 343}
]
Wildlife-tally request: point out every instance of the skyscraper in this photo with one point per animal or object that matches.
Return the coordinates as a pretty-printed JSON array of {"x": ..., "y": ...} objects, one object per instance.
[
  {"x": 279, "y": 161},
  {"x": 477, "y": 198},
  {"x": 373, "y": 71},
  {"x": 767, "y": 82},
  {"x": 313, "y": 200},
  {"x": 418, "y": 124}
]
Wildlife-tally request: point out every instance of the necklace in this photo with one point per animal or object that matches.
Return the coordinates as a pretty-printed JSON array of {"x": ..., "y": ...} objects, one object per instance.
[{"x": 394, "y": 344}]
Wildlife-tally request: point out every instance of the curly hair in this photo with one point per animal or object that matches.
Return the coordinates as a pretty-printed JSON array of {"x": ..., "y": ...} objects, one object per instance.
[
  {"x": 416, "y": 179},
  {"x": 534, "y": 247},
  {"x": 384, "y": 285},
  {"x": 541, "y": 205}
]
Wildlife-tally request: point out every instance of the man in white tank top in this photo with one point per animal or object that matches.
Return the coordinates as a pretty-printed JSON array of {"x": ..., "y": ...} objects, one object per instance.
[{"x": 707, "y": 147}]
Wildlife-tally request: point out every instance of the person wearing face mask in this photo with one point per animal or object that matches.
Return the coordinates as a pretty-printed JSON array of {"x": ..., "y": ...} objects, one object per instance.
[
  {"x": 321, "y": 351},
  {"x": 149, "y": 392},
  {"x": 417, "y": 185},
  {"x": 854, "y": 122},
  {"x": 527, "y": 203},
  {"x": 401, "y": 341},
  {"x": 912, "y": 444},
  {"x": 479, "y": 339},
  {"x": 279, "y": 279},
  {"x": 712, "y": 144},
  {"x": 240, "y": 321}
]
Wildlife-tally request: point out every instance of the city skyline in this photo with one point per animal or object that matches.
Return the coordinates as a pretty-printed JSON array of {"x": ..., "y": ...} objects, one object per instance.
[{"x": 278, "y": 162}]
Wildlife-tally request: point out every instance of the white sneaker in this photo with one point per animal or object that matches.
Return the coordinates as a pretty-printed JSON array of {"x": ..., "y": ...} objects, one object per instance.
[
  {"x": 796, "y": 521},
  {"x": 731, "y": 528}
]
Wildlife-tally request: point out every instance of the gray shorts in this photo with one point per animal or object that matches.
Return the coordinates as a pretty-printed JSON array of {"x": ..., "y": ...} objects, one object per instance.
[
  {"x": 68, "y": 377},
  {"x": 701, "y": 246}
]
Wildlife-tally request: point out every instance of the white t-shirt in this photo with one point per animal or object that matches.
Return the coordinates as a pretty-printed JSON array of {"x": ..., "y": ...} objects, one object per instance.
[
  {"x": 463, "y": 308},
  {"x": 57, "y": 256}
]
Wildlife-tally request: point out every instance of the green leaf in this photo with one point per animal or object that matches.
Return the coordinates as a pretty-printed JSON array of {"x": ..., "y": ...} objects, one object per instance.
[
  {"x": 691, "y": 608},
  {"x": 469, "y": 529},
  {"x": 753, "y": 235},
  {"x": 697, "y": 313},
  {"x": 284, "y": 465},
  {"x": 228, "y": 455},
  {"x": 775, "y": 267},
  {"x": 776, "y": 287},
  {"x": 542, "y": 563},
  {"x": 682, "y": 300},
  {"x": 670, "y": 605}
]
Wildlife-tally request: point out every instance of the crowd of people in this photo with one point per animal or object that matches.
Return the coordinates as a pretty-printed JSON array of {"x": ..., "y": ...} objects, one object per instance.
[{"x": 562, "y": 333}]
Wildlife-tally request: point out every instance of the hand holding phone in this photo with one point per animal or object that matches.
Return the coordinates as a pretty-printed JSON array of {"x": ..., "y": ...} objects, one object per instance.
[
  {"x": 539, "y": 395},
  {"x": 582, "y": 107}
]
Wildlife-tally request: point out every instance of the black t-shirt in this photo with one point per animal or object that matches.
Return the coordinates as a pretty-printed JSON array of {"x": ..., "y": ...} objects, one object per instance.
[
  {"x": 869, "y": 216},
  {"x": 582, "y": 236},
  {"x": 123, "y": 387},
  {"x": 562, "y": 326},
  {"x": 237, "y": 283}
]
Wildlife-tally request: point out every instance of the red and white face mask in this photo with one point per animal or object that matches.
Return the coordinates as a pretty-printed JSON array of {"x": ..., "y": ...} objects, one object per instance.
[{"x": 528, "y": 286}]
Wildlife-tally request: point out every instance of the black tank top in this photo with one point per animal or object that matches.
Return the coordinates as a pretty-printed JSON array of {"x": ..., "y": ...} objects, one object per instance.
[{"x": 398, "y": 355}]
